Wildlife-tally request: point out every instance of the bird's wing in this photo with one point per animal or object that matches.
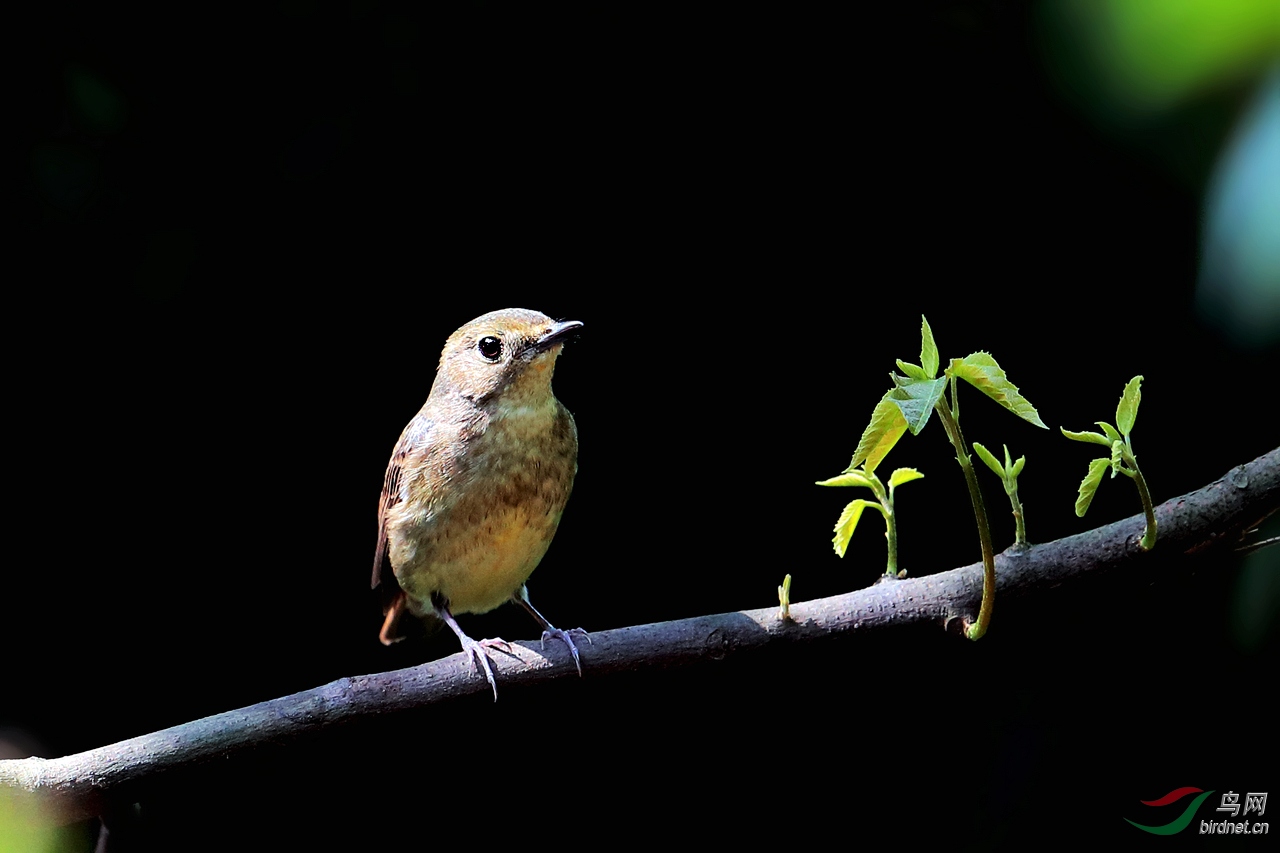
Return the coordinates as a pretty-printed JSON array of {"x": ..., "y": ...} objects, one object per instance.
[{"x": 415, "y": 434}]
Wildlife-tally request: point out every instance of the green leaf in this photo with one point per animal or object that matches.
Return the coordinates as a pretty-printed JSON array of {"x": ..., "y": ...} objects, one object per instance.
[
  {"x": 903, "y": 475},
  {"x": 915, "y": 371},
  {"x": 886, "y": 427},
  {"x": 1117, "y": 456},
  {"x": 1112, "y": 433},
  {"x": 1018, "y": 466},
  {"x": 1090, "y": 437},
  {"x": 848, "y": 521},
  {"x": 928, "y": 349},
  {"x": 982, "y": 372},
  {"x": 1127, "y": 409},
  {"x": 848, "y": 478},
  {"x": 916, "y": 399},
  {"x": 1097, "y": 468},
  {"x": 987, "y": 457}
]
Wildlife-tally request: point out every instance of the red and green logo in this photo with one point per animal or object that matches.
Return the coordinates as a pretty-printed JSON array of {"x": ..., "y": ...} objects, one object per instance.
[{"x": 1183, "y": 820}]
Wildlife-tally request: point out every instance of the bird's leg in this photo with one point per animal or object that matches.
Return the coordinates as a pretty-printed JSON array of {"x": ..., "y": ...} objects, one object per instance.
[
  {"x": 470, "y": 646},
  {"x": 549, "y": 630},
  {"x": 393, "y": 616}
]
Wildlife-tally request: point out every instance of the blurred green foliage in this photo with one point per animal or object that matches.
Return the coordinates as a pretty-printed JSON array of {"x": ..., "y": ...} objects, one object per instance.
[
  {"x": 1148, "y": 55},
  {"x": 22, "y": 830},
  {"x": 1197, "y": 84}
]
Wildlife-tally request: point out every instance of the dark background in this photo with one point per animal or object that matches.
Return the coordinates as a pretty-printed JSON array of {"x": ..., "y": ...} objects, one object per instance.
[{"x": 249, "y": 236}]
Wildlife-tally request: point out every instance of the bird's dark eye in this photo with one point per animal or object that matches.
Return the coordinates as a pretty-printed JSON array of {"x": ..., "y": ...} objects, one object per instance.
[{"x": 490, "y": 348}]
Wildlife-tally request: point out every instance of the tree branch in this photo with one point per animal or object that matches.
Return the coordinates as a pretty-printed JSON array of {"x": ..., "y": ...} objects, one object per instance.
[{"x": 80, "y": 786}]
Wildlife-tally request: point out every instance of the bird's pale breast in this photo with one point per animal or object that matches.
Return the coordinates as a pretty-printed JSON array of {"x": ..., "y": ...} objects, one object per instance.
[{"x": 473, "y": 526}]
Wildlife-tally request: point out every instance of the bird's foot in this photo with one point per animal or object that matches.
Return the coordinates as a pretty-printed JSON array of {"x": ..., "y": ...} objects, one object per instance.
[
  {"x": 476, "y": 648},
  {"x": 567, "y": 636}
]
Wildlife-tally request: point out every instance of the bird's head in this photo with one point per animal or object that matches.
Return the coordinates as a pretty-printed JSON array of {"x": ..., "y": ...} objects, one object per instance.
[{"x": 509, "y": 353}]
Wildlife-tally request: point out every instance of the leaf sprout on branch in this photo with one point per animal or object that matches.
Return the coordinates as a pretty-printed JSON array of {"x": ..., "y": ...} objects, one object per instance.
[
  {"x": 1008, "y": 474},
  {"x": 883, "y": 502},
  {"x": 1120, "y": 459},
  {"x": 915, "y": 395}
]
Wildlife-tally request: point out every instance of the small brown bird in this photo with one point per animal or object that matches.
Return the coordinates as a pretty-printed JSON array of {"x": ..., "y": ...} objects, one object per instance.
[{"x": 478, "y": 481}]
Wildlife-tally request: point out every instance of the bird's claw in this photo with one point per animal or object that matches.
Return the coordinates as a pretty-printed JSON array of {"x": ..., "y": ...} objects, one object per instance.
[
  {"x": 477, "y": 650},
  {"x": 568, "y": 641}
]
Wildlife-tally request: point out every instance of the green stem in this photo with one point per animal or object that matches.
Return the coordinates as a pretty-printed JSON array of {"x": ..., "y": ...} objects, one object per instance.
[
  {"x": 890, "y": 525},
  {"x": 975, "y": 630},
  {"x": 891, "y": 536},
  {"x": 1020, "y": 536},
  {"x": 1130, "y": 469},
  {"x": 1148, "y": 537}
]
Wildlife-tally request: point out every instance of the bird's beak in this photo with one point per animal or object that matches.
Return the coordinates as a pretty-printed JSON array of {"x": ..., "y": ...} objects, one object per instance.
[{"x": 557, "y": 333}]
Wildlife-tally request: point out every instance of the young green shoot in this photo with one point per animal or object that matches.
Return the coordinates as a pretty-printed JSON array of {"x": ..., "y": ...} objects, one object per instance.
[
  {"x": 1008, "y": 474},
  {"x": 1120, "y": 458},
  {"x": 884, "y": 503},
  {"x": 784, "y": 599},
  {"x": 908, "y": 405}
]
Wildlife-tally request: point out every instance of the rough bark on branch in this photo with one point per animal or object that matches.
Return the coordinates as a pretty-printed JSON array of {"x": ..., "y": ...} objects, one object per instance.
[{"x": 78, "y": 786}]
